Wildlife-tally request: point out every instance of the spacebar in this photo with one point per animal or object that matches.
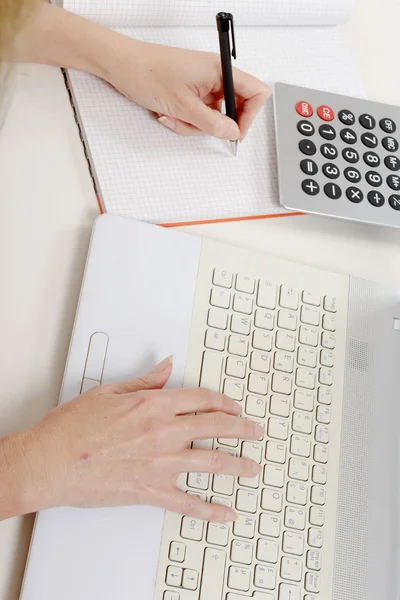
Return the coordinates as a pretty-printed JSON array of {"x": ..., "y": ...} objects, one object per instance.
[
  {"x": 212, "y": 583},
  {"x": 211, "y": 368}
]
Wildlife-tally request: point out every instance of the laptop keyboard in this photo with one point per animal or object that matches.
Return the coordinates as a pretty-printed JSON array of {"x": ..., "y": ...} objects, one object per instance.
[{"x": 272, "y": 348}]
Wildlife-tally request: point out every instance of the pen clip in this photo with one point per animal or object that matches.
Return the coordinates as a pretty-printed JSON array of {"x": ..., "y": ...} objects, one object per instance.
[
  {"x": 223, "y": 19},
  {"x": 230, "y": 17}
]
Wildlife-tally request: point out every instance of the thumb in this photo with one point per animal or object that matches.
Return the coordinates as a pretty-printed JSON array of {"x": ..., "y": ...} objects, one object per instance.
[
  {"x": 209, "y": 120},
  {"x": 154, "y": 380}
]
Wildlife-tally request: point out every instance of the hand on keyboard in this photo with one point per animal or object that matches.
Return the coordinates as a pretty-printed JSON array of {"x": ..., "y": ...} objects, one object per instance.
[{"x": 127, "y": 444}]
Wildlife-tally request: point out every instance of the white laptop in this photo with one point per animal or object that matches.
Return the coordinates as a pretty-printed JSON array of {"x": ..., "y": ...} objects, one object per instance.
[{"x": 312, "y": 354}]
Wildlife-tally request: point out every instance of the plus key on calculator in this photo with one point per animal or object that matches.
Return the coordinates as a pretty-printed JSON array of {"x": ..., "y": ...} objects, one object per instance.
[{"x": 338, "y": 156}]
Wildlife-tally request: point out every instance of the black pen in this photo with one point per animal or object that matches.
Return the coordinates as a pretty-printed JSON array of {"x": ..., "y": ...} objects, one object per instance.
[{"x": 224, "y": 24}]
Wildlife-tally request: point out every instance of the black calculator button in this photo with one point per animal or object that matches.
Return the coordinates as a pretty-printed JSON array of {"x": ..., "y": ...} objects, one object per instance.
[
  {"x": 332, "y": 190},
  {"x": 352, "y": 175},
  {"x": 347, "y": 117},
  {"x": 329, "y": 151},
  {"x": 307, "y": 147},
  {"x": 367, "y": 121},
  {"x": 376, "y": 198},
  {"x": 372, "y": 159},
  {"x": 370, "y": 140},
  {"x": 392, "y": 163},
  {"x": 331, "y": 171},
  {"x": 394, "y": 201},
  {"x": 308, "y": 166},
  {"x": 327, "y": 132},
  {"x": 373, "y": 178},
  {"x": 387, "y": 125},
  {"x": 354, "y": 194},
  {"x": 390, "y": 144},
  {"x": 348, "y": 136},
  {"x": 393, "y": 182},
  {"x": 310, "y": 187},
  {"x": 306, "y": 128},
  {"x": 350, "y": 155}
]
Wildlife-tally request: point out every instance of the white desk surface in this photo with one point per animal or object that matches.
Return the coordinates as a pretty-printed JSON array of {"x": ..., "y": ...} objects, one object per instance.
[{"x": 47, "y": 210}]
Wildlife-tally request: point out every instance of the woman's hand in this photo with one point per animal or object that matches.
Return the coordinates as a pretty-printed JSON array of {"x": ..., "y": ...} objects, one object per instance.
[{"x": 127, "y": 444}]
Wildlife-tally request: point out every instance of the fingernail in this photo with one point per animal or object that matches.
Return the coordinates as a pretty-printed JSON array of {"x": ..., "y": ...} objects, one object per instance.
[
  {"x": 237, "y": 408},
  {"x": 234, "y": 132},
  {"x": 256, "y": 468},
  {"x": 260, "y": 431},
  {"x": 230, "y": 515},
  {"x": 164, "y": 365},
  {"x": 170, "y": 123}
]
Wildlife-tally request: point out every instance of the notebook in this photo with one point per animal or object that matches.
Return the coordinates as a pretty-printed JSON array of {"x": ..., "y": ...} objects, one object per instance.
[{"x": 144, "y": 170}]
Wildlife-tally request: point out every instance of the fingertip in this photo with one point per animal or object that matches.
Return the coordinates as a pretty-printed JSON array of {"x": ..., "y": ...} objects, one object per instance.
[{"x": 237, "y": 408}]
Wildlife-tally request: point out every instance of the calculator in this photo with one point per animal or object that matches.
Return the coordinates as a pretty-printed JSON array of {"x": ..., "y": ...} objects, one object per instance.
[{"x": 337, "y": 156}]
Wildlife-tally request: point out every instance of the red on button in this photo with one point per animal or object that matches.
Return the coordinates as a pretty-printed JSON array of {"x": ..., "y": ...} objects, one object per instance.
[
  {"x": 325, "y": 113},
  {"x": 304, "y": 109}
]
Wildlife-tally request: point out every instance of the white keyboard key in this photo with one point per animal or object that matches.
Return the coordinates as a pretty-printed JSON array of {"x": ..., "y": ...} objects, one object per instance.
[
  {"x": 233, "y": 389},
  {"x": 262, "y": 340},
  {"x": 220, "y": 297},
  {"x": 275, "y": 452},
  {"x": 329, "y": 322},
  {"x": 264, "y": 319},
  {"x": 228, "y": 442},
  {"x": 285, "y": 340},
  {"x": 258, "y": 384},
  {"x": 310, "y": 597},
  {"x": 308, "y": 335},
  {"x": 244, "y": 526},
  {"x": 296, "y": 493},
  {"x": 330, "y": 304},
  {"x": 289, "y": 297},
  {"x": 312, "y": 582},
  {"x": 255, "y": 596},
  {"x": 298, "y": 469},
  {"x": 238, "y": 345},
  {"x": 310, "y": 298},
  {"x": 240, "y": 324},
  {"x": 241, "y": 552},
  {"x": 198, "y": 480},
  {"x": 281, "y": 383},
  {"x": 256, "y": 406},
  {"x": 238, "y": 579},
  {"x": 313, "y": 560},
  {"x": 244, "y": 284},
  {"x": 211, "y": 368},
  {"x": 300, "y": 446},
  {"x": 274, "y": 475},
  {"x": 322, "y": 434},
  {"x": 213, "y": 574},
  {"x": 318, "y": 495},
  {"x": 304, "y": 400},
  {"x": 223, "y": 484},
  {"x": 236, "y": 367},
  {"x": 295, "y": 518},
  {"x": 202, "y": 444},
  {"x": 283, "y": 362},
  {"x": 217, "y": 318},
  {"x": 251, "y": 482},
  {"x": 169, "y": 595},
  {"x": 192, "y": 529},
  {"x": 325, "y": 376},
  {"x": 279, "y": 405},
  {"x": 96, "y": 357},
  {"x": 315, "y": 539},
  {"x": 291, "y": 568},
  {"x": 307, "y": 357},
  {"x": 328, "y": 340},
  {"x": 266, "y": 294},
  {"x": 289, "y": 592},
  {"x": 190, "y": 579},
  {"x": 221, "y": 501},
  {"x": 319, "y": 474},
  {"x": 259, "y": 362},
  {"x": 323, "y": 414},
  {"x": 293, "y": 543},
  {"x": 270, "y": 525},
  {"x": 246, "y": 501},
  {"x": 278, "y": 428},
  {"x": 218, "y": 534},
  {"x": 265, "y": 577},
  {"x": 309, "y": 316},
  {"x": 324, "y": 395},
  {"x": 215, "y": 340},
  {"x": 174, "y": 576},
  {"x": 327, "y": 358},
  {"x": 267, "y": 550},
  {"x": 252, "y": 451},
  {"x": 243, "y": 304},
  {"x": 287, "y": 320},
  {"x": 305, "y": 378},
  {"x": 198, "y": 495},
  {"x": 222, "y": 278},
  {"x": 317, "y": 516},
  {"x": 320, "y": 453},
  {"x": 271, "y": 500},
  {"x": 302, "y": 422},
  {"x": 177, "y": 551}
]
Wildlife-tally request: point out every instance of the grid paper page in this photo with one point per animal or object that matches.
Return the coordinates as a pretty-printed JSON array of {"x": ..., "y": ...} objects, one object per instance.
[
  {"x": 197, "y": 13},
  {"x": 146, "y": 171}
]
